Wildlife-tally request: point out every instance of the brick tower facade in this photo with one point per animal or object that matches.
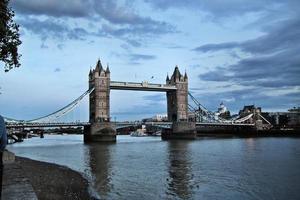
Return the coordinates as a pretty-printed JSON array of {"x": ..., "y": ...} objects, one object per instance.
[
  {"x": 100, "y": 129},
  {"x": 178, "y": 109},
  {"x": 99, "y": 98},
  {"x": 177, "y": 101}
]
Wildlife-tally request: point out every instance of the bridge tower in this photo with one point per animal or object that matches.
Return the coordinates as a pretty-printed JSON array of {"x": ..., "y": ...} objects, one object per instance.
[
  {"x": 177, "y": 102},
  {"x": 101, "y": 128}
]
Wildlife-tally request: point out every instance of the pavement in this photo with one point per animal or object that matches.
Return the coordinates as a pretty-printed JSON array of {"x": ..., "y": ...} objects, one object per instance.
[{"x": 15, "y": 186}]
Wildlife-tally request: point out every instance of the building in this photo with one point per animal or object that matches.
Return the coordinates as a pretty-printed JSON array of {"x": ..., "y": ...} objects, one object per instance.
[
  {"x": 157, "y": 118},
  {"x": 290, "y": 119},
  {"x": 160, "y": 117},
  {"x": 223, "y": 112},
  {"x": 248, "y": 110}
]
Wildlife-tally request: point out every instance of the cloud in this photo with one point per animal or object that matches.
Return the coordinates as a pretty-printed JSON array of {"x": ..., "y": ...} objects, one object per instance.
[
  {"x": 138, "y": 57},
  {"x": 114, "y": 19},
  {"x": 224, "y": 9},
  {"x": 43, "y": 46},
  {"x": 136, "y": 35},
  {"x": 217, "y": 47},
  {"x": 57, "y": 70},
  {"x": 282, "y": 35},
  {"x": 273, "y": 59},
  {"x": 51, "y": 28},
  {"x": 266, "y": 64},
  {"x": 54, "y": 8},
  {"x": 115, "y": 14},
  {"x": 156, "y": 98},
  {"x": 236, "y": 99},
  {"x": 142, "y": 110}
]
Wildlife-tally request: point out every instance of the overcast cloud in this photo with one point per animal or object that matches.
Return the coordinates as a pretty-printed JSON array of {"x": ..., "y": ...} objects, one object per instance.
[{"x": 238, "y": 52}]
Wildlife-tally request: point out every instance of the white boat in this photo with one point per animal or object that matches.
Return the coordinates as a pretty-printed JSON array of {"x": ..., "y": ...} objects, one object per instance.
[
  {"x": 157, "y": 133},
  {"x": 139, "y": 132}
]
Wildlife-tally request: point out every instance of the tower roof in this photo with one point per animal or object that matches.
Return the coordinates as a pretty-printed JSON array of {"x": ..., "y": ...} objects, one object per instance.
[
  {"x": 185, "y": 76},
  {"x": 98, "y": 66},
  {"x": 107, "y": 69},
  {"x": 167, "y": 79},
  {"x": 176, "y": 73}
]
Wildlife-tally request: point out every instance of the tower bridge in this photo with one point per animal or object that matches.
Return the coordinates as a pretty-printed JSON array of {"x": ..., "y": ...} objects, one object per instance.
[
  {"x": 176, "y": 89},
  {"x": 100, "y": 128}
]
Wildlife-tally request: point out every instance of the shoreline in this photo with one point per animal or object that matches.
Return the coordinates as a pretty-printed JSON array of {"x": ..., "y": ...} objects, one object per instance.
[{"x": 52, "y": 181}]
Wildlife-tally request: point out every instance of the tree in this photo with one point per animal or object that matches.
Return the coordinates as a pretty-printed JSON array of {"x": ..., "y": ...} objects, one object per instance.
[{"x": 9, "y": 37}]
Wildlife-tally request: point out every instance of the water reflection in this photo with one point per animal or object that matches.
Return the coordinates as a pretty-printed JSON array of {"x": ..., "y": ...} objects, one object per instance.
[
  {"x": 180, "y": 170},
  {"x": 100, "y": 165},
  {"x": 148, "y": 168}
]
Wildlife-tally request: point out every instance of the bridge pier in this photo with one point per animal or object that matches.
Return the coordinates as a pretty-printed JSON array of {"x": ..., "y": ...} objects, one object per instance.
[
  {"x": 99, "y": 132},
  {"x": 180, "y": 130}
]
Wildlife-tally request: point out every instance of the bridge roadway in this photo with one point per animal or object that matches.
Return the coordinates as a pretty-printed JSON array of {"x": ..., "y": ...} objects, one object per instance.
[
  {"x": 71, "y": 124},
  {"x": 199, "y": 124},
  {"x": 117, "y": 124},
  {"x": 144, "y": 86}
]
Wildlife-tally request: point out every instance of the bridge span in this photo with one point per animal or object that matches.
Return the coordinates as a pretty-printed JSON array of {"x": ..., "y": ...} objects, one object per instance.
[
  {"x": 116, "y": 124},
  {"x": 143, "y": 86},
  {"x": 183, "y": 117}
]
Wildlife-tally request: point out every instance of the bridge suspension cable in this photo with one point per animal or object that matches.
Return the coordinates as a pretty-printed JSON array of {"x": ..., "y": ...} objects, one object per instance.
[
  {"x": 55, "y": 115},
  {"x": 202, "y": 114}
]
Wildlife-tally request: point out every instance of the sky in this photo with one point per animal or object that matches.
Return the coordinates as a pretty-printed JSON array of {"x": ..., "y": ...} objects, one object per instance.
[{"x": 237, "y": 52}]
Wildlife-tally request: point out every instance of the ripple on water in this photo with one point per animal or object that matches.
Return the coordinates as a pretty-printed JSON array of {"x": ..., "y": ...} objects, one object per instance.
[{"x": 148, "y": 168}]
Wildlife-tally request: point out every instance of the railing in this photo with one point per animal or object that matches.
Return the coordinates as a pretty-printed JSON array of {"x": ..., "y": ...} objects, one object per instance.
[{"x": 23, "y": 125}]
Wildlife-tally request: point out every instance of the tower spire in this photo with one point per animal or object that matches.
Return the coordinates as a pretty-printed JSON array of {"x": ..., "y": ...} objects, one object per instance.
[
  {"x": 107, "y": 69},
  {"x": 98, "y": 65},
  {"x": 176, "y": 74},
  {"x": 185, "y": 76},
  {"x": 167, "y": 79}
]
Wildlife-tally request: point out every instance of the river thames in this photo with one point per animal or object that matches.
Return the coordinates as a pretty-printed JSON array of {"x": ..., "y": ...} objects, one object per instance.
[{"x": 149, "y": 168}]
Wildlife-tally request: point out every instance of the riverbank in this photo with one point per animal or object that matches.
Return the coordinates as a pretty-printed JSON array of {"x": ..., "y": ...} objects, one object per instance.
[{"x": 51, "y": 181}]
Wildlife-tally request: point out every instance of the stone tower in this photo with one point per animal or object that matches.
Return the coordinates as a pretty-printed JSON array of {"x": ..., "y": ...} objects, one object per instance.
[
  {"x": 178, "y": 109},
  {"x": 178, "y": 100},
  {"x": 99, "y": 98},
  {"x": 100, "y": 128}
]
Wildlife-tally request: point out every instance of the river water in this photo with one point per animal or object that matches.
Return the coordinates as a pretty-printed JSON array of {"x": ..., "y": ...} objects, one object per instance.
[{"x": 149, "y": 168}]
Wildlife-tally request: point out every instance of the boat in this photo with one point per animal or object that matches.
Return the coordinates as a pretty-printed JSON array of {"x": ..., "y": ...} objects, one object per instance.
[
  {"x": 11, "y": 139},
  {"x": 157, "y": 133},
  {"x": 139, "y": 132}
]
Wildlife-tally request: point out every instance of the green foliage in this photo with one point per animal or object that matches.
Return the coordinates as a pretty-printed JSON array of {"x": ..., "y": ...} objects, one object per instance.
[{"x": 9, "y": 37}]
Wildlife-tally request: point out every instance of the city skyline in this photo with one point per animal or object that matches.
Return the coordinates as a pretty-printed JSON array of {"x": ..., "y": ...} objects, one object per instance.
[{"x": 218, "y": 44}]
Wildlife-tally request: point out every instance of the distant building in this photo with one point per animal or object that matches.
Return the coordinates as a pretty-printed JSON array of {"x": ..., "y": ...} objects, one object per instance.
[
  {"x": 160, "y": 117},
  {"x": 223, "y": 112},
  {"x": 294, "y": 117},
  {"x": 249, "y": 109},
  {"x": 290, "y": 119},
  {"x": 157, "y": 118},
  {"x": 222, "y": 108}
]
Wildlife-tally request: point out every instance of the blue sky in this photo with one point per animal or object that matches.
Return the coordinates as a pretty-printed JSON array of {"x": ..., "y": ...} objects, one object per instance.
[{"x": 238, "y": 52}]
